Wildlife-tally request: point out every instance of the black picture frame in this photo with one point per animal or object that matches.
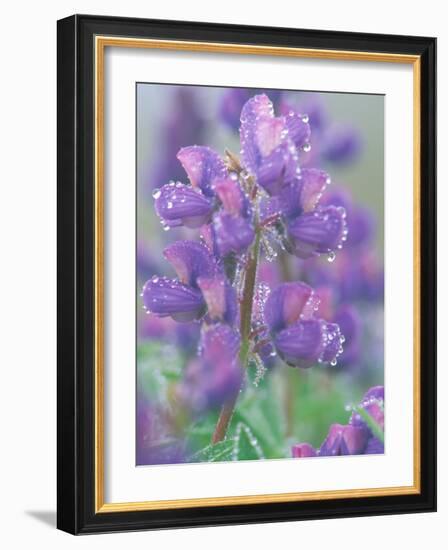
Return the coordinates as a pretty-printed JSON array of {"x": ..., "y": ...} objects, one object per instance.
[{"x": 76, "y": 225}]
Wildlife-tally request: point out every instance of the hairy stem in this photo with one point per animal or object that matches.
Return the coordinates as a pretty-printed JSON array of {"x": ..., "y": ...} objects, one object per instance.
[{"x": 245, "y": 328}]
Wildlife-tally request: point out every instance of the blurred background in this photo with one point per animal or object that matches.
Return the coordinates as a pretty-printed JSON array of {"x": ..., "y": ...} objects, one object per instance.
[{"x": 289, "y": 405}]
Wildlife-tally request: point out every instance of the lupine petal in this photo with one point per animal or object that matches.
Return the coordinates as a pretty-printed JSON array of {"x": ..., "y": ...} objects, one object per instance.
[
  {"x": 308, "y": 342},
  {"x": 315, "y": 109},
  {"x": 374, "y": 447},
  {"x": 232, "y": 233},
  {"x": 301, "y": 344},
  {"x": 203, "y": 166},
  {"x": 303, "y": 193},
  {"x": 258, "y": 107},
  {"x": 303, "y": 450},
  {"x": 288, "y": 303},
  {"x": 269, "y": 134},
  {"x": 344, "y": 440},
  {"x": 350, "y": 324},
  {"x": 314, "y": 182},
  {"x": 179, "y": 204},
  {"x": 230, "y": 195},
  {"x": 278, "y": 168},
  {"x": 220, "y": 297},
  {"x": 360, "y": 222},
  {"x": 289, "y": 199},
  {"x": 165, "y": 297},
  {"x": 318, "y": 232},
  {"x": 333, "y": 341},
  {"x": 373, "y": 404},
  {"x": 190, "y": 260},
  {"x": 299, "y": 130}
]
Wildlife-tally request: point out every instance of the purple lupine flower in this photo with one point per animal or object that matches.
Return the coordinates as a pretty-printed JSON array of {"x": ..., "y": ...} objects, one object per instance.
[
  {"x": 180, "y": 299},
  {"x": 269, "y": 144},
  {"x": 299, "y": 338},
  {"x": 216, "y": 374},
  {"x": 344, "y": 440},
  {"x": 319, "y": 232},
  {"x": 203, "y": 166},
  {"x": 201, "y": 287},
  {"x": 373, "y": 404},
  {"x": 191, "y": 260},
  {"x": 178, "y": 204},
  {"x": 311, "y": 106},
  {"x": 220, "y": 298},
  {"x": 311, "y": 229},
  {"x": 303, "y": 450},
  {"x": 233, "y": 101},
  {"x": 265, "y": 194},
  {"x": 191, "y": 205},
  {"x": 330, "y": 142},
  {"x": 232, "y": 228},
  {"x": 359, "y": 219},
  {"x": 349, "y": 321},
  {"x": 167, "y": 297},
  {"x": 353, "y": 438}
]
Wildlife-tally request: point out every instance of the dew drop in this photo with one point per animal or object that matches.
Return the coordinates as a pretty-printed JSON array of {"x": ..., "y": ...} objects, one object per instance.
[
  {"x": 306, "y": 147},
  {"x": 156, "y": 193},
  {"x": 331, "y": 256}
]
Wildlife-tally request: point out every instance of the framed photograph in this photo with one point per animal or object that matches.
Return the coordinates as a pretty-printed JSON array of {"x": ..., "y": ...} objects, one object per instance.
[{"x": 246, "y": 274}]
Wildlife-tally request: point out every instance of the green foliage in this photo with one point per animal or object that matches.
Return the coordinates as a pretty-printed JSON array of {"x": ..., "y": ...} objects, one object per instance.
[
  {"x": 159, "y": 367},
  {"x": 222, "y": 451},
  {"x": 242, "y": 445}
]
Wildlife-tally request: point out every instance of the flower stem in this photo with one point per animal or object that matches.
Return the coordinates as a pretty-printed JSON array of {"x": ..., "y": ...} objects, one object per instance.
[{"x": 245, "y": 328}]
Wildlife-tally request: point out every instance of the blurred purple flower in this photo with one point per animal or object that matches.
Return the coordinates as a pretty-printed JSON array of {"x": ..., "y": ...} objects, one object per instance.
[
  {"x": 341, "y": 144},
  {"x": 216, "y": 374},
  {"x": 185, "y": 124},
  {"x": 155, "y": 443},
  {"x": 330, "y": 142}
]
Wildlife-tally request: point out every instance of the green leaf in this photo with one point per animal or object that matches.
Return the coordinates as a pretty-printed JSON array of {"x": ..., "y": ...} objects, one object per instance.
[
  {"x": 215, "y": 453},
  {"x": 246, "y": 445},
  {"x": 261, "y": 411}
]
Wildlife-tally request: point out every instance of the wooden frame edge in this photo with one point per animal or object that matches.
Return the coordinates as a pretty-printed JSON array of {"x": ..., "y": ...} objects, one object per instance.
[{"x": 100, "y": 43}]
